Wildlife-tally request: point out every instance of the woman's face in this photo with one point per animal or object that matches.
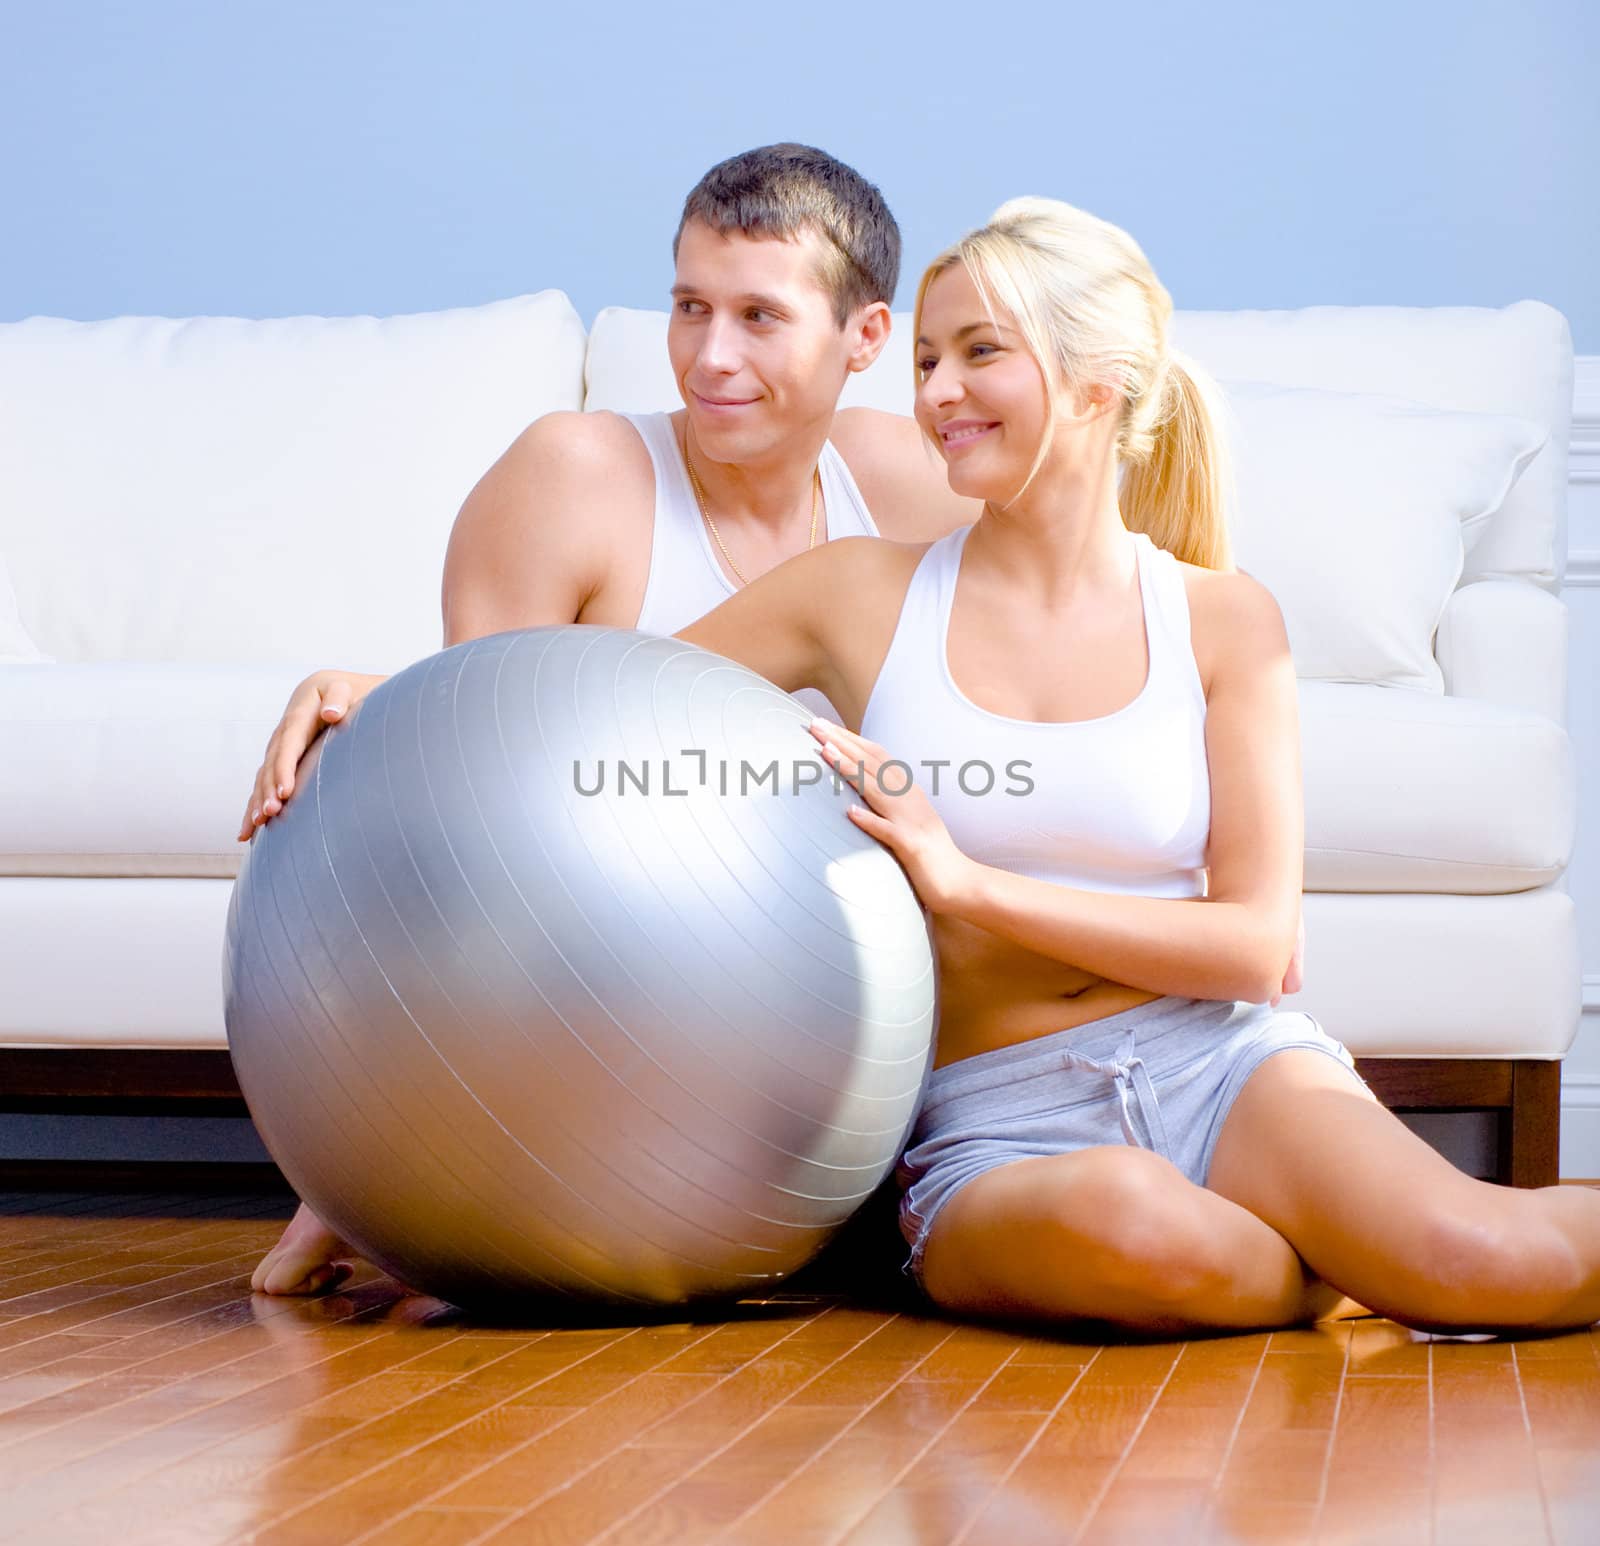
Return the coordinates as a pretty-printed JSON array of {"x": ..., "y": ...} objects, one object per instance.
[{"x": 981, "y": 395}]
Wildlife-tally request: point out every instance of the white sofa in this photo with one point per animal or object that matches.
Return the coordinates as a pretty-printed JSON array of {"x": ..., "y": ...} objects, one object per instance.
[{"x": 195, "y": 513}]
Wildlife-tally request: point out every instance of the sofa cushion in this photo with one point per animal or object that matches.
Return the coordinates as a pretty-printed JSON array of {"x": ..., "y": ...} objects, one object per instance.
[
  {"x": 1513, "y": 359},
  {"x": 15, "y": 645},
  {"x": 1506, "y": 641},
  {"x": 128, "y": 769},
  {"x": 1444, "y": 976},
  {"x": 1406, "y": 791},
  {"x": 112, "y": 963},
  {"x": 1355, "y": 511},
  {"x": 134, "y": 770},
  {"x": 218, "y": 490}
]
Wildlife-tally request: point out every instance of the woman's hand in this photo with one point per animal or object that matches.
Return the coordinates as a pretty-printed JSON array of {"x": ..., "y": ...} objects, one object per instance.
[
  {"x": 898, "y": 814},
  {"x": 322, "y": 699}
]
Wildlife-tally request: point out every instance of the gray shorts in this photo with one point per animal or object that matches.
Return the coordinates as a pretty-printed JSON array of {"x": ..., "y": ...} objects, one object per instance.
[{"x": 1161, "y": 1075}]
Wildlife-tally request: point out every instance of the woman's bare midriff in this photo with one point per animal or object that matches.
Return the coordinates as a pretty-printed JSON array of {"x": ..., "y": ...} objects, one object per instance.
[{"x": 993, "y": 993}]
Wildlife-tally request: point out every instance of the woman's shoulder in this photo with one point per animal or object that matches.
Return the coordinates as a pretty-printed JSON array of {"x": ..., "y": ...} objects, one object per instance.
[
  {"x": 1234, "y": 619},
  {"x": 859, "y": 579},
  {"x": 870, "y": 557},
  {"x": 848, "y": 576}
]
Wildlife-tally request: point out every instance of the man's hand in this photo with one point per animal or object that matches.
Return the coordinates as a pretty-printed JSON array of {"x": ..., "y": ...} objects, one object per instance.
[
  {"x": 1295, "y": 978},
  {"x": 323, "y": 699}
]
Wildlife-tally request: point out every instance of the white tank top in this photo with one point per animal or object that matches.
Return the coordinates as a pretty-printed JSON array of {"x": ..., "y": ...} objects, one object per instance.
[
  {"x": 1119, "y": 803},
  {"x": 686, "y": 581}
]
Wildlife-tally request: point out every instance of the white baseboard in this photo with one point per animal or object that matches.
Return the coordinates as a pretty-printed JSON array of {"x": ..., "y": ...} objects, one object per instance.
[
  {"x": 1580, "y": 1094},
  {"x": 1580, "y": 1132},
  {"x": 1583, "y": 453},
  {"x": 1580, "y": 1101}
]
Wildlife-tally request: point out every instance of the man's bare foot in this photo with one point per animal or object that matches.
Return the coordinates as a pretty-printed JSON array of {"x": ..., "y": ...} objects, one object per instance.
[{"x": 304, "y": 1259}]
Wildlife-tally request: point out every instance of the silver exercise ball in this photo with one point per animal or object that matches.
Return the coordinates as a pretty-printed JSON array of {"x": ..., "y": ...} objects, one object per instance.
[{"x": 510, "y": 1032}]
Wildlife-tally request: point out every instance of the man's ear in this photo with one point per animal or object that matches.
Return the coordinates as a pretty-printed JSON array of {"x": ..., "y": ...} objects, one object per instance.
[{"x": 869, "y": 333}]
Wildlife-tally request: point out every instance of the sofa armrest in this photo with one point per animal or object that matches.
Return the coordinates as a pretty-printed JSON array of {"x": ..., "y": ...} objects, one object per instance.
[{"x": 1505, "y": 641}]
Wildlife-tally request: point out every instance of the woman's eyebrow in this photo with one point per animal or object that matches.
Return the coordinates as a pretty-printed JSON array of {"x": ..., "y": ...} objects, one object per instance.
[{"x": 962, "y": 332}]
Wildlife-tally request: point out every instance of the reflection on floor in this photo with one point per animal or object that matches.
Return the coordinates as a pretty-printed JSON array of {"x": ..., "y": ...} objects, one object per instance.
[{"x": 146, "y": 1397}]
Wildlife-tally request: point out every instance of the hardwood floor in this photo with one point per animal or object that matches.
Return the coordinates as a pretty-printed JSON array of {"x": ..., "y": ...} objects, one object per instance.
[{"x": 146, "y": 1397}]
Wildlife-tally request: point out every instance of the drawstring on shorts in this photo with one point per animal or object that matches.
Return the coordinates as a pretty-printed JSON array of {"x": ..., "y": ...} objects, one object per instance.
[{"x": 1128, "y": 1072}]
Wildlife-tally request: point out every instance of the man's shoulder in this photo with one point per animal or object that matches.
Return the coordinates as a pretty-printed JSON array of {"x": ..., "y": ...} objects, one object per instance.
[
  {"x": 578, "y": 481},
  {"x": 900, "y": 475},
  {"x": 544, "y": 531},
  {"x": 872, "y": 436},
  {"x": 571, "y": 445}
]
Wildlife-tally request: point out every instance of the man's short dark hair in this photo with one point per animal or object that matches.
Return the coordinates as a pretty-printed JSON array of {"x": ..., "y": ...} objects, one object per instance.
[{"x": 781, "y": 190}]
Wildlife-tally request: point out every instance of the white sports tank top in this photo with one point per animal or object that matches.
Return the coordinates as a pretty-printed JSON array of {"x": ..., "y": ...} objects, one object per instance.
[
  {"x": 1119, "y": 803},
  {"x": 686, "y": 580}
]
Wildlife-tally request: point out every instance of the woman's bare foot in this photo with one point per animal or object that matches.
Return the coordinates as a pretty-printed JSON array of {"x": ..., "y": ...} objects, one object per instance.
[{"x": 304, "y": 1259}]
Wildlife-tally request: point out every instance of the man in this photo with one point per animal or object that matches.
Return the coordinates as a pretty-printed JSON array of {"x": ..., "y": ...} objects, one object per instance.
[{"x": 786, "y": 262}]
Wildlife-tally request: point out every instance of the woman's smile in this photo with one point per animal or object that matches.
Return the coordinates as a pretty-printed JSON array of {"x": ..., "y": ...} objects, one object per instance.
[{"x": 958, "y": 434}]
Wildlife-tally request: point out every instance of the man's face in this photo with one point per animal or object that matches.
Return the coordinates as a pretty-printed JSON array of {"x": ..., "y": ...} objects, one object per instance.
[{"x": 755, "y": 349}]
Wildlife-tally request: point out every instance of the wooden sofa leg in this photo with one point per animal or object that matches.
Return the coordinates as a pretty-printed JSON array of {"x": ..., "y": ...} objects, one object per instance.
[
  {"x": 1530, "y": 1129},
  {"x": 1524, "y": 1093}
]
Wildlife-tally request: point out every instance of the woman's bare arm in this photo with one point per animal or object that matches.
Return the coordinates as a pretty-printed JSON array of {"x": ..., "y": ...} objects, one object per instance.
[
  {"x": 788, "y": 623},
  {"x": 1234, "y": 943}
]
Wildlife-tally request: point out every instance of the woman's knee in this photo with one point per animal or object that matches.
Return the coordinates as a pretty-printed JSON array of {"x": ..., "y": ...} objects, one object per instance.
[
  {"x": 1505, "y": 1263},
  {"x": 1123, "y": 1229}
]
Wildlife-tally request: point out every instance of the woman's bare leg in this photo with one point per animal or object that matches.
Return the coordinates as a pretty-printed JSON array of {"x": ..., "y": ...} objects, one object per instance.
[
  {"x": 1375, "y": 1210},
  {"x": 1117, "y": 1234},
  {"x": 305, "y": 1259}
]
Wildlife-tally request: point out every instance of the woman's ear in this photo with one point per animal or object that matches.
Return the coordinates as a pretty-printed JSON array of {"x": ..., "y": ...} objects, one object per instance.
[{"x": 1094, "y": 400}]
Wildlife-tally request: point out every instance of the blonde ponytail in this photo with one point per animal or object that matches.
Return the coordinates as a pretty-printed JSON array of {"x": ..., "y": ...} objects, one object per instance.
[{"x": 1178, "y": 482}]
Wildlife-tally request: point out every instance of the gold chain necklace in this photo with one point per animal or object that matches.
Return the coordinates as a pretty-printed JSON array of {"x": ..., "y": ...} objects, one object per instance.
[{"x": 700, "y": 499}]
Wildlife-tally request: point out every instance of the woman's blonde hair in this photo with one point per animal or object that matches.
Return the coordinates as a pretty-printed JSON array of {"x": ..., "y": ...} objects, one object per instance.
[{"x": 1090, "y": 309}]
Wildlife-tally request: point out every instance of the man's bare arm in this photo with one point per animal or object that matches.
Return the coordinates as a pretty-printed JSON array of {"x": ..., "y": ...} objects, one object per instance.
[
  {"x": 531, "y": 544},
  {"x": 900, "y": 475}
]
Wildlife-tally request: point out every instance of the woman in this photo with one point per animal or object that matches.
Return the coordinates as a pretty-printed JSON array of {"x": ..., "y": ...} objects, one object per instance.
[{"x": 1118, "y": 1125}]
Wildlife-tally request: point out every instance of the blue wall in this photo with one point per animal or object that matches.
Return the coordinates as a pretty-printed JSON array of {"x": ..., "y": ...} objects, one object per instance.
[{"x": 261, "y": 160}]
